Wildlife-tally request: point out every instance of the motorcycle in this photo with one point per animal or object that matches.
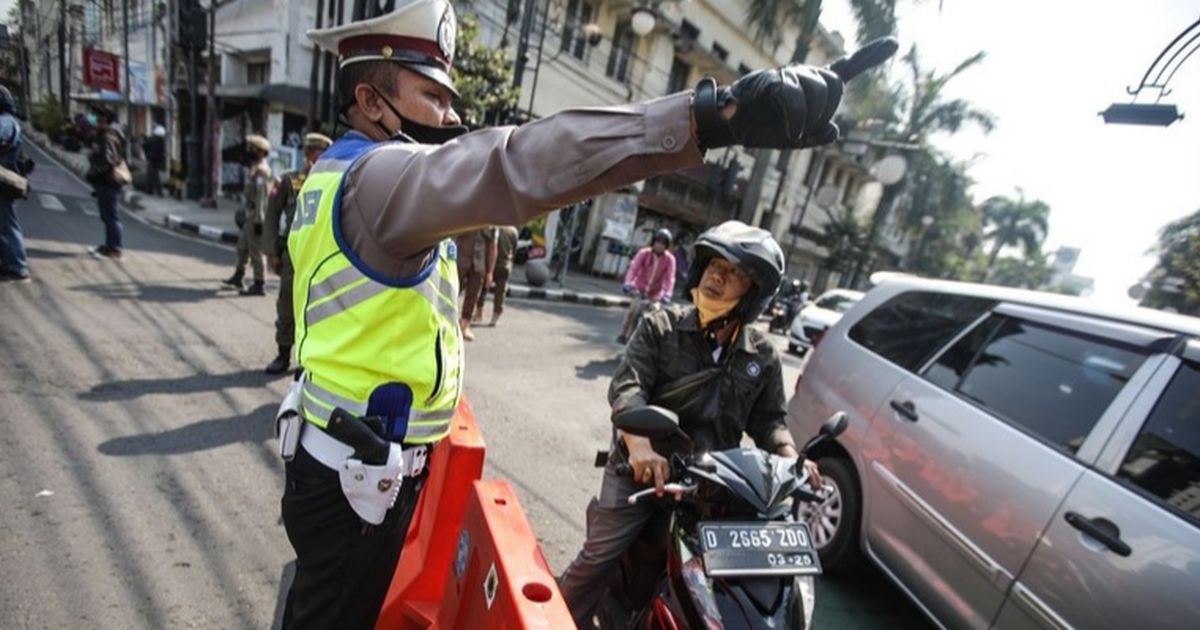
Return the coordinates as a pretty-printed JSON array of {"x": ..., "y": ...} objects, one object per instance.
[
  {"x": 735, "y": 555},
  {"x": 783, "y": 311}
]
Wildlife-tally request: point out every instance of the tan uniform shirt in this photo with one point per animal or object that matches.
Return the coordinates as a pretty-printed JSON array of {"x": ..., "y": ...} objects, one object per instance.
[
  {"x": 400, "y": 200},
  {"x": 258, "y": 185},
  {"x": 506, "y": 247},
  {"x": 279, "y": 212},
  {"x": 473, "y": 249}
]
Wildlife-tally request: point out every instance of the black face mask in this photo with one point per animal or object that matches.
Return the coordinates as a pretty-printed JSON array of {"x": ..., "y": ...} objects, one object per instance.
[{"x": 412, "y": 131}]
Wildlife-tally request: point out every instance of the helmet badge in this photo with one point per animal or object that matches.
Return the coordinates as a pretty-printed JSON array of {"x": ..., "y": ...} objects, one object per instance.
[{"x": 447, "y": 31}]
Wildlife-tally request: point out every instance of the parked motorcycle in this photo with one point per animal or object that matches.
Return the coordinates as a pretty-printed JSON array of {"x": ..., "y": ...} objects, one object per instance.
[{"x": 735, "y": 557}]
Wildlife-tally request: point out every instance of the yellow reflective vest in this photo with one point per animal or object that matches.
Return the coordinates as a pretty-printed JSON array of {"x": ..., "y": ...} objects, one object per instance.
[{"x": 373, "y": 345}]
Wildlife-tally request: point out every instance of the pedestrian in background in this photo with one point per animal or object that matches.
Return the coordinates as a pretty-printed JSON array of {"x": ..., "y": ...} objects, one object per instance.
[
  {"x": 681, "y": 263},
  {"x": 155, "y": 149},
  {"x": 650, "y": 279},
  {"x": 506, "y": 249},
  {"x": 476, "y": 263},
  {"x": 250, "y": 217},
  {"x": 277, "y": 222},
  {"x": 108, "y": 174},
  {"x": 14, "y": 267}
]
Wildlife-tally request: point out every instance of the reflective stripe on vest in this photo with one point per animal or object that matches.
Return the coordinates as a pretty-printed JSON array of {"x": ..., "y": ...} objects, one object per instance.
[{"x": 356, "y": 330}]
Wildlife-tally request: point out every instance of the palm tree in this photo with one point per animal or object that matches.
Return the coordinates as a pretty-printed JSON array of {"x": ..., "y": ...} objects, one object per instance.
[
  {"x": 1015, "y": 222},
  {"x": 927, "y": 111},
  {"x": 843, "y": 237}
]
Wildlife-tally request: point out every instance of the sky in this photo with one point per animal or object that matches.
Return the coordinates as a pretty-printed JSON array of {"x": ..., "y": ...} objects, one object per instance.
[{"x": 1051, "y": 66}]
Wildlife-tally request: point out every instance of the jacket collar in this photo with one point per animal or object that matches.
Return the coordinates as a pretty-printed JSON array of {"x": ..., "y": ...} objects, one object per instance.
[{"x": 691, "y": 322}]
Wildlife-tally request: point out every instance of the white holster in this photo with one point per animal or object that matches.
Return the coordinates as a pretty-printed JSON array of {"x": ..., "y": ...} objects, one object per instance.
[
  {"x": 289, "y": 422},
  {"x": 372, "y": 490}
]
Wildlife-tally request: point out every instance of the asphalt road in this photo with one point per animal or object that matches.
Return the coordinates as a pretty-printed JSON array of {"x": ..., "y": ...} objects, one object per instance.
[{"x": 138, "y": 487}]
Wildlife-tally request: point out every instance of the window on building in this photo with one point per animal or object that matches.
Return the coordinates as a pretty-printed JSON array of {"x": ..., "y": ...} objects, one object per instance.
[
  {"x": 1165, "y": 459},
  {"x": 574, "y": 40},
  {"x": 687, "y": 30},
  {"x": 911, "y": 327},
  {"x": 1051, "y": 382},
  {"x": 720, "y": 52},
  {"x": 258, "y": 72},
  {"x": 622, "y": 52},
  {"x": 680, "y": 72}
]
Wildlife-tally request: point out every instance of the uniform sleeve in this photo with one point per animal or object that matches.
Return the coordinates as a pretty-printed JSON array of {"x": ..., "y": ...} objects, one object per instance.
[
  {"x": 278, "y": 197},
  {"x": 400, "y": 199},
  {"x": 767, "y": 424},
  {"x": 637, "y": 371}
]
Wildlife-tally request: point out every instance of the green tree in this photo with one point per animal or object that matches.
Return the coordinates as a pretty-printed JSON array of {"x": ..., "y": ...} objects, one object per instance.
[
  {"x": 1026, "y": 272},
  {"x": 1013, "y": 222},
  {"x": 482, "y": 75},
  {"x": 843, "y": 236},
  {"x": 1175, "y": 282}
]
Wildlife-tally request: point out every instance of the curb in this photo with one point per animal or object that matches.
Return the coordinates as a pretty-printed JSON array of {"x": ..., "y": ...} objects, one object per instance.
[
  {"x": 590, "y": 299},
  {"x": 203, "y": 231}
]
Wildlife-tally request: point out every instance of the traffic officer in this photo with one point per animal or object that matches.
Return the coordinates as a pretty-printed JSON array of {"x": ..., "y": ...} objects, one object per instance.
[
  {"x": 250, "y": 217},
  {"x": 277, "y": 222},
  {"x": 376, "y": 280}
]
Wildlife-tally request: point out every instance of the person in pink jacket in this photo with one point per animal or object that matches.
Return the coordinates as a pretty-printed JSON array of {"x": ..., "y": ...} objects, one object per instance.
[{"x": 650, "y": 279}]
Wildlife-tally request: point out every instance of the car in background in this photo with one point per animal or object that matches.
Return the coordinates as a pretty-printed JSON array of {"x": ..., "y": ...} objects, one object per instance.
[
  {"x": 818, "y": 316},
  {"x": 1014, "y": 459}
]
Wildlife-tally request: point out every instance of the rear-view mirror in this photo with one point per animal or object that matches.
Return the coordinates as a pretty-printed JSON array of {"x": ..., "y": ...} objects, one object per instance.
[
  {"x": 835, "y": 425},
  {"x": 650, "y": 421}
]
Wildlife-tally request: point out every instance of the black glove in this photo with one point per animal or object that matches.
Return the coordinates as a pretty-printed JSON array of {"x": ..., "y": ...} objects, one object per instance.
[{"x": 784, "y": 108}]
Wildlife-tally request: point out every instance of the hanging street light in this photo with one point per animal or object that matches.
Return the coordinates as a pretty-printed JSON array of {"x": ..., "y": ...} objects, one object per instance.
[{"x": 1158, "y": 77}]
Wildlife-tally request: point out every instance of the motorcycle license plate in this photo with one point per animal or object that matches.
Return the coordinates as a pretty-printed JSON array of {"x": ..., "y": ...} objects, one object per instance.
[{"x": 732, "y": 549}]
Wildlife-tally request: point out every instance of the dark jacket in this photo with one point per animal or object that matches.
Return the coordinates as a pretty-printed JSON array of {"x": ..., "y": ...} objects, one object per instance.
[
  {"x": 108, "y": 150},
  {"x": 668, "y": 345},
  {"x": 156, "y": 152}
]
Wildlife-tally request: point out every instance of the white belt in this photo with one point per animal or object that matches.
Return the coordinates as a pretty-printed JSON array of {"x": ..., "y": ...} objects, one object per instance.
[{"x": 333, "y": 454}]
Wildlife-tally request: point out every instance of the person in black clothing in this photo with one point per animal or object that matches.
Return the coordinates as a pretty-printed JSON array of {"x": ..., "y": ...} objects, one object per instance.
[
  {"x": 155, "y": 148},
  {"x": 735, "y": 272}
]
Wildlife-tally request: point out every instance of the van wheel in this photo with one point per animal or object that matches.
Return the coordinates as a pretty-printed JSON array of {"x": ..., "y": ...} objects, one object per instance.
[{"x": 835, "y": 522}]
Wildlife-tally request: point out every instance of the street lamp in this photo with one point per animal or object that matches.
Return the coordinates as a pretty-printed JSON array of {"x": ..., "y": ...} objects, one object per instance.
[
  {"x": 642, "y": 21},
  {"x": 1163, "y": 70}
]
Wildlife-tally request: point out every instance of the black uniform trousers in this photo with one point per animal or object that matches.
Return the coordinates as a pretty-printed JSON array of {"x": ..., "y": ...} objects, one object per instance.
[{"x": 343, "y": 566}]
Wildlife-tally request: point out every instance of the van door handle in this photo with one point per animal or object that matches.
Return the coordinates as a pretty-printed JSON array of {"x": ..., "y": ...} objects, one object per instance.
[
  {"x": 906, "y": 409},
  {"x": 1100, "y": 529}
]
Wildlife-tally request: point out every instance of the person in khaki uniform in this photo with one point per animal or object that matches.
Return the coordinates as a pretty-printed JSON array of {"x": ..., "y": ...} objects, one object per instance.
[
  {"x": 277, "y": 222},
  {"x": 258, "y": 186},
  {"x": 387, "y": 196},
  {"x": 476, "y": 264},
  {"x": 506, "y": 251}
]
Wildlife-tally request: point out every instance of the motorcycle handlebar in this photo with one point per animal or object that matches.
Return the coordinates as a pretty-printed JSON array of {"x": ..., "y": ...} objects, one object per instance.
[{"x": 676, "y": 489}]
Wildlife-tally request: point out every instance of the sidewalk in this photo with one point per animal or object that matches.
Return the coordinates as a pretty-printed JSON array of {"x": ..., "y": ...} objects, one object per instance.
[{"x": 217, "y": 224}]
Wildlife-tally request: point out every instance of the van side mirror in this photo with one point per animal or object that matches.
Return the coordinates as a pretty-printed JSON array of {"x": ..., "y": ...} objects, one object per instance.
[
  {"x": 651, "y": 421},
  {"x": 833, "y": 427}
]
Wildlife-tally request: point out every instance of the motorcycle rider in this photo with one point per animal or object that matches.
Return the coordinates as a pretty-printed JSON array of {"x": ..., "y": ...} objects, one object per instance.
[
  {"x": 650, "y": 279},
  {"x": 735, "y": 273}
]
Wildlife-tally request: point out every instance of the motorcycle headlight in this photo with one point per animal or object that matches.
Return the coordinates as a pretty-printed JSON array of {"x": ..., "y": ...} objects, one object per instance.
[
  {"x": 808, "y": 597},
  {"x": 699, "y": 586}
]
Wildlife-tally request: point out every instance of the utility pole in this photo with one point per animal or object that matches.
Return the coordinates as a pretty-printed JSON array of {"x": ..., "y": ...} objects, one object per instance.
[
  {"x": 128, "y": 84},
  {"x": 64, "y": 96},
  {"x": 188, "y": 17},
  {"x": 169, "y": 60},
  {"x": 210, "y": 150},
  {"x": 528, "y": 12},
  {"x": 314, "y": 75}
]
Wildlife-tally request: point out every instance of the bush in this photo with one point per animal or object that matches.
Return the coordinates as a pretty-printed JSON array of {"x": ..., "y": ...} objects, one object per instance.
[{"x": 49, "y": 118}]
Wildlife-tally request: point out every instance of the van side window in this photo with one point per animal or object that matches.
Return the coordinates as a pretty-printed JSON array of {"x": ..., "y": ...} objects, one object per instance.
[
  {"x": 1165, "y": 458},
  {"x": 911, "y": 327},
  {"x": 1053, "y": 383}
]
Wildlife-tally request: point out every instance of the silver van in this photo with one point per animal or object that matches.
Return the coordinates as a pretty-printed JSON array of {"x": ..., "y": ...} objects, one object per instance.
[{"x": 1014, "y": 459}]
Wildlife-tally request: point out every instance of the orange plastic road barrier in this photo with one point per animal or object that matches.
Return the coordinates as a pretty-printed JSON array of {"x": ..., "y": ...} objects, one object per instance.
[
  {"x": 500, "y": 578},
  {"x": 415, "y": 595}
]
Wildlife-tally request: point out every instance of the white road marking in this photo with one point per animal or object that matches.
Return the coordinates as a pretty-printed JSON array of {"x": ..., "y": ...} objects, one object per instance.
[
  {"x": 50, "y": 202},
  {"x": 210, "y": 232},
  {"x": 90, "y": 212}
]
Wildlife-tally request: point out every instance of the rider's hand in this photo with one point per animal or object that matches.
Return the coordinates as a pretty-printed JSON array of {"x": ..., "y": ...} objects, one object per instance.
[
  {"x": 627, "y": 289},
  {"x": 814, "y": 475},
  {"x": 788, "y": 107},
  {"x": 648, "y": 466}
]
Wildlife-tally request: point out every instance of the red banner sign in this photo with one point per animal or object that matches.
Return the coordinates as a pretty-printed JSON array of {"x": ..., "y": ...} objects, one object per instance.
[{"x": 101, "y": 70}]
